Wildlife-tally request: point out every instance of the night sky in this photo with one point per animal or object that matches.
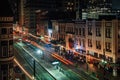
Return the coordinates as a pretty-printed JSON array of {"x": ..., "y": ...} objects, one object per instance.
[{"x": 5, "y": 8}]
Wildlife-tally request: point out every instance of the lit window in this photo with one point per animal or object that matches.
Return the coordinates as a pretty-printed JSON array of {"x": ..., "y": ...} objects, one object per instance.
[
  {"x": 89, "y": 42},
  {"x": 108, "y": 46},
  {"x": 108, "y": 33},
  {"x": 98, "y": 31},
  {"x": 98, "y": 45}
]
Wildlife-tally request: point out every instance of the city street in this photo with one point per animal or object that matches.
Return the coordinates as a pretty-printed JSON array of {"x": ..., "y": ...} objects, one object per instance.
[{"x": 67, "y": 73}]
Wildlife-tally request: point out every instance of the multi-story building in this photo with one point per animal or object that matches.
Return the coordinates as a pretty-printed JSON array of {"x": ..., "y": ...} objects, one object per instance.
[
  {"x": 96, "y": 8},
  {"x": 48, "y": 10},
  {"x": 30, "y": 8},
  {"x": 98, "y": 39},
  {"x": 80, "y": 36},
  {"x": 80, "y": 7},
  {"x": 6, "y": 42}
]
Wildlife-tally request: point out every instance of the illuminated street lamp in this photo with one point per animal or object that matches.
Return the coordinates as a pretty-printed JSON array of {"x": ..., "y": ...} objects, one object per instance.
[{"x": 39, "y": 52}]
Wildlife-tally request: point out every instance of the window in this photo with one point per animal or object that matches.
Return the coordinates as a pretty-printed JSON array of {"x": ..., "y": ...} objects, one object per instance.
[
  {"x": 4, "y": 51},
  {"x": 108, "y": 46},
  {"x": 98, "y": 32},
  {"x": 80, "y": 41},
  {"x": 83, "y": 42},
  {"x": 83, "y": 31},
  {"x": 76, "y": 31},
  {"x": 98, "y": 45},
  {"x": 79, "y": 31},
  {"x": 11, "y": 42},
  {"x": 4, "y": 48},
  {"x": 89, "y": 42},
  {"x": 108, "y": 32},
  {"x": 96, "y": 55},
  {"x": 11, "y": 48},
  {"x": 89, "y": 30},
  {"x": 3, "y": 31},
  {"x": 11, "y": 30}
]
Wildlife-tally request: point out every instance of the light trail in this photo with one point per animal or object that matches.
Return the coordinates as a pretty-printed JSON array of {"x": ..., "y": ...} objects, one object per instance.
[{"x": 31, "y": 77}]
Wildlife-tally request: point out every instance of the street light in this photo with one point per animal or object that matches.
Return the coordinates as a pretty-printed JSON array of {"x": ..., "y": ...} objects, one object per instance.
[
  {"x": 41, "y": 53},
  {"x": 34, "y": 68}
]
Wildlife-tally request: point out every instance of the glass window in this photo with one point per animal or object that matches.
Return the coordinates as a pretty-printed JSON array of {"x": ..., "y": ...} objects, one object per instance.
[
  {"x": 4, "y": 51},
  {"x": 98, "y": 45},
  {"x": 79, "y": 31},
  {"x": 89, "y": 42},
  {"x": 4, "y": 43},
  {"x": 3, "y": 31},
  {"x": 89, "y": 30},
  {"x": 83, "y": 31},
  {"x": 11, "y": 42},
  {"x": 98, "y": 31},
  {"x": 83, "y": 41},
  {"x": 108, "y": 46},
  {"x": 108, "y": 32},
  {"x": 11, "y": 30}
]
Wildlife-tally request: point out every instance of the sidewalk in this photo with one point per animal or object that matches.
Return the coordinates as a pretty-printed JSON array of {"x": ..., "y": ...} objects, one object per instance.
[{"x": 98, "y": 73}]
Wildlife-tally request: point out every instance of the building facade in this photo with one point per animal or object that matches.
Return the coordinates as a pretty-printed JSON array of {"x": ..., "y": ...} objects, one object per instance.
[
  {"x": 98, "y": 40},
  {"x": 6, "y": 42}
]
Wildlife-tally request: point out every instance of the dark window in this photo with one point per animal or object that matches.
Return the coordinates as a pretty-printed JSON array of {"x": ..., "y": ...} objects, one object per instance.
[
  {"x": 4, "y": 67},
  {"x": 11, "y": 31},
  {"x": 83, "y": 31},
  {"x": 4, "y": 51},
  {"x": 76, "y": 31},
  {"x": 96, "y": 55},
  {"x": 98, "y": 45},
  {"x": 79, "y": 31},
  {"x": 5, "y": 78},
  {"x": 4, "y": 43},
  {"x": 3, "y": 31},
  {"x": 83, "y": 42},
  {"x": 11, "y": 42},
  {"x": 89, "y": 30}
]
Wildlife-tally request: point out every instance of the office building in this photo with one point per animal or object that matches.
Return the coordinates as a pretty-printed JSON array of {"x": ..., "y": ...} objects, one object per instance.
[{"x": 6, "y": 42}]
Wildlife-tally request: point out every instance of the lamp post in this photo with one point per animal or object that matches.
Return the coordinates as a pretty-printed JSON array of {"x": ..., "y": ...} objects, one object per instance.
[{"x": 34, "y": 68}]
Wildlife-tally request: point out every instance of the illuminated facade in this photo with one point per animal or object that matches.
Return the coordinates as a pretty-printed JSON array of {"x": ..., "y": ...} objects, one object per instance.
[
  {"x": 97, "y": 38},
  {"x": 103, "y": 35},
  {"x": 96, "y": 8}
]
